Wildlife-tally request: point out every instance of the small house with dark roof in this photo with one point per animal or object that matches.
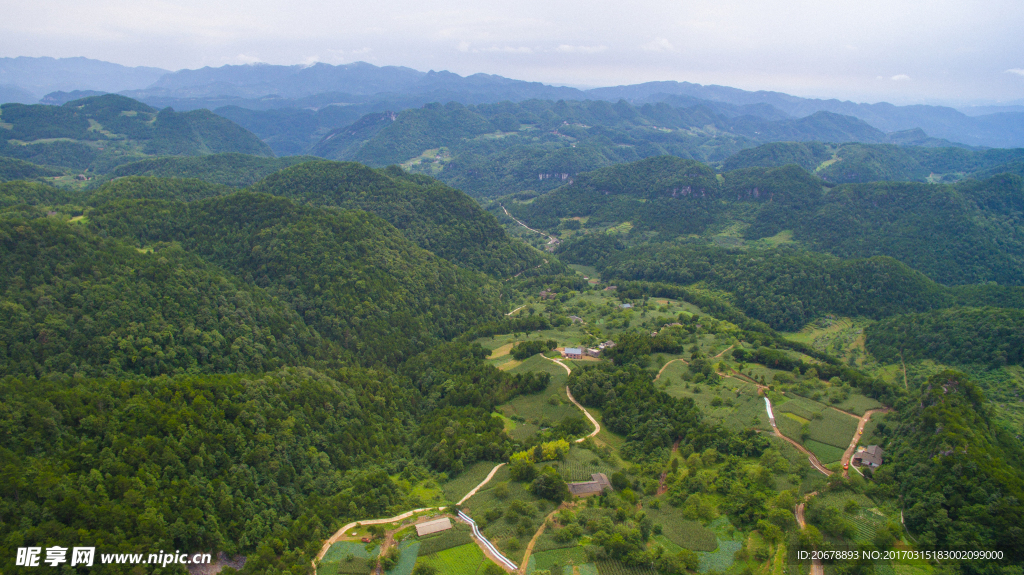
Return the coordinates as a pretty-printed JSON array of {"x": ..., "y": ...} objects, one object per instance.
[
  {"x": 870, "y": 457},
  {"x": 598, "y": 484}
]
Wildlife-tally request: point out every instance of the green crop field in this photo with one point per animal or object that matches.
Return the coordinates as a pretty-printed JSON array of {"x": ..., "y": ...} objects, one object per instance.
[
  {"x": 612, "y": 567},
  {"x": 563, "y": 557},
  {"x": 720, "y": 559},
  {"x": 464, "y": 482},
  {"x": 581, "y": 463},
  {"x": 408, "y": 552},
  {"x": 795, "y": 417},
  {"x": 834, "y": 428},
  {"x": 537, "y": 408},
  {"x": 462, "y": 560},
  {"x": 824, "y": 452},
  {"x": 458, "y": 535},
  {"x": 858, "y": 404},
  {"x": 348, "y": 557},
  {"x": 680, "y": 531}
]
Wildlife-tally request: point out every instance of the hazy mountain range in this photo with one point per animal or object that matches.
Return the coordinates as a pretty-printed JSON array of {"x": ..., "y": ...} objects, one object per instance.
[{"x": 360, "y": 88}]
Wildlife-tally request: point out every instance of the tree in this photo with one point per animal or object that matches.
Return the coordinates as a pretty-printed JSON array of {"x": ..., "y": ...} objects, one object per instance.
[{"x": 550, "y": 485}]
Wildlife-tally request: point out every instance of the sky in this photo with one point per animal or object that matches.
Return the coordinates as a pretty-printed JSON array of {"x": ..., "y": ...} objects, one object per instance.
[{"x": 936, "y": 52}]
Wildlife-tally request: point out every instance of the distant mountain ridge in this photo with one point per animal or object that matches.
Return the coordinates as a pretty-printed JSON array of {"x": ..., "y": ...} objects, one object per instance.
[{"x": 376, "y": 89}]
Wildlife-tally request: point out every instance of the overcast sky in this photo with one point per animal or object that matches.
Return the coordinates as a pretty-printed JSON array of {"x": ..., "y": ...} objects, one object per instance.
[{"x": 941, "y": 51}]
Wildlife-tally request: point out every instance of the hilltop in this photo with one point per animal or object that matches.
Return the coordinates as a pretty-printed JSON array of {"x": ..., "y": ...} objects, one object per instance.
[{"x": 98, "y": 133}]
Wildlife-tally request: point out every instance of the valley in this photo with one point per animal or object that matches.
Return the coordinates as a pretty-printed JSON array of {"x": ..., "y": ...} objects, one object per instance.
[{"x": 549, "y": 344}]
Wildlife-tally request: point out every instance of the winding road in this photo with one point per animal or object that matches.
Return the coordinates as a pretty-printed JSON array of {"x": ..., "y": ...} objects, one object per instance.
[
  {"x": 552, "y": 240},
  {"x": 597, "y": 426},
  {"x": 856, "y": 437}
]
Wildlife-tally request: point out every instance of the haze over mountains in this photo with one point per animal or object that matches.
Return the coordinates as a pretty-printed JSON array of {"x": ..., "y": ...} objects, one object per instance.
[{"x": 325, "y": 97}]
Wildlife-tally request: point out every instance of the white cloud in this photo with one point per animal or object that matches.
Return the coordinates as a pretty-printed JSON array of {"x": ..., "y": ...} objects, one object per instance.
[
  {"x": 463, "y": 46},
  {"x": 659, "y": 45},
  {"x": 580, "y": 49},
  {"x": 247, "y": 59},
  {"x": 507, "y": 49},
  {"x": 900, "y": 77},
  {"x": 1017, "y": 71}
]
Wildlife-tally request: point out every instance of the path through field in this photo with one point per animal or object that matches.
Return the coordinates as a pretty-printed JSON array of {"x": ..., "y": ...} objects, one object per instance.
[
  {"x": 533, "y": 541},
  {"x": 552, "y": 240},
  {"x": 810, "y": 456},
  {"x": 482, "y": 483},
  {"x": 597, "y": 426},
  {"x": 856, "y": 437},
  {"x": 816, "y": 568}
]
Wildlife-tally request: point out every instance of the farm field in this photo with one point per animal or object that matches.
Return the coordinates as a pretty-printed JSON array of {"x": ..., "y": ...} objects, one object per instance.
[
  {"x": 458, "y": 535},
  {"x": 824, "y": 452},
  {"x": 462, "y": 483},
  {"x": 462, "y": 560},
  {"x": 347, "y": 557},
  {"x": 408, "y": 552},
  {"x": 682, "y": 532}
]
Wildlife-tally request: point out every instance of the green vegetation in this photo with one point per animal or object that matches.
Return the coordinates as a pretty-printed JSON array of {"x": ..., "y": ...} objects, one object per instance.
[
  {"x": 99, "y": 133},
  {"x": 988, "y": 336},
  {"x": 229, "y": 169}
]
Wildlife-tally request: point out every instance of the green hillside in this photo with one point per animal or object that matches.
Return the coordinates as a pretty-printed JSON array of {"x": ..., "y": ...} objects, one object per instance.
[
  {"x": 964, "y": 233},
  {"x": 867, "y": 162},
  {"x": 491, "y": 150},
  {"x": 351, "y": 275},
  {"x": 230, "y": 169},
  {"x": 12, "y": 169},
  {"x": 76, "y": 303},
  {"x": 436, "y": 217},
  {"x": 100, "y": 132}
]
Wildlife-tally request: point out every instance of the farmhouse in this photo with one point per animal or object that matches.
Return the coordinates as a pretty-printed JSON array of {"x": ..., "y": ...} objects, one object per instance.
[
  {"x": 597, "y": 484},
  {"x": 573, "y": 353},
  {"x": 576, "y": 318},
  {"x": 545, "y": 294},
  {"x": 435, "y": 526},
  {"x": 593, "y": 352},
  {"x": 870, "y": 457},
  {"x": 626, "y": 306}
]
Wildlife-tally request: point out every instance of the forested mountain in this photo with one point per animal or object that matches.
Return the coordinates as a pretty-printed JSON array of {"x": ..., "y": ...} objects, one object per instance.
[
  {"x": 440, "y": 219},
  {"x": 958, "y": 474},
  {"x": 77, "y": 303},
  {"x": 230, "y": 169},
  {"x": 969, "y": 232},
  {"x": 100, "y": 132},
  {"x": 960, "y": 336},
  {"x": 860, "y": 163},
  {"x": 493, "y": 149},
  {"x": 349, "y": 274}
]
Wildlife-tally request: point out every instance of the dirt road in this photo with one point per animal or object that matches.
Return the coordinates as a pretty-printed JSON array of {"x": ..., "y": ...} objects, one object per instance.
[
  {"x": 568, "y": 370},
  {"x": 810, "y": 456},
  {"x": 552, "y": 240},
  {"x": 816, "y": 568},
  {"x": 856, "y": 436},
  {"x": 482, "y": 483},
  {"x": 597, "y": 426}
]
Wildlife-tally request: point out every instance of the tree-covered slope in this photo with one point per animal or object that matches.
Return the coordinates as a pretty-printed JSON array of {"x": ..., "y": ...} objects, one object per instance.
[
  {"x": 348, "y": 273},
  {"x": 12, "y": 169},
  {"x": 258, "y": 465},
  {"x": 229, "y": 169},
  {"x": 495, "y": 149},
  {"x": 74, "y": 302},
  {"x": 957, "y": 234},
  {"x": 436, "y": 217},
  {"x": 958, "y": 474},
  {"x": 782, "y": 287},
  {"x": 956, "y": 336},
  {"x": 151, "y": 188},
  {"x": 861, "y": 162},
  {"x": 100, "y": 132}
]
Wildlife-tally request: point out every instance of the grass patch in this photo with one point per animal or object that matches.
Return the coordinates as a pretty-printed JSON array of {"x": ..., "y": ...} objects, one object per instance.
[
  {"x": 824, "y": 452},
  {"x": 612, "y": 567},
  {"x": 458, "y": 535},
  {"x": 462, "y": 560},
  {"x": 563, "y": 557},
  {"x": 347, "y": 557},
  {"x": 408, "y": 552},
  {"x": 796, "y": 417},
  {"x": 462, "y": 483},
  {"x": 680, "y": 531},
  {"x": 858, "y": 404},
  {"x": 833, "y": 428}
]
